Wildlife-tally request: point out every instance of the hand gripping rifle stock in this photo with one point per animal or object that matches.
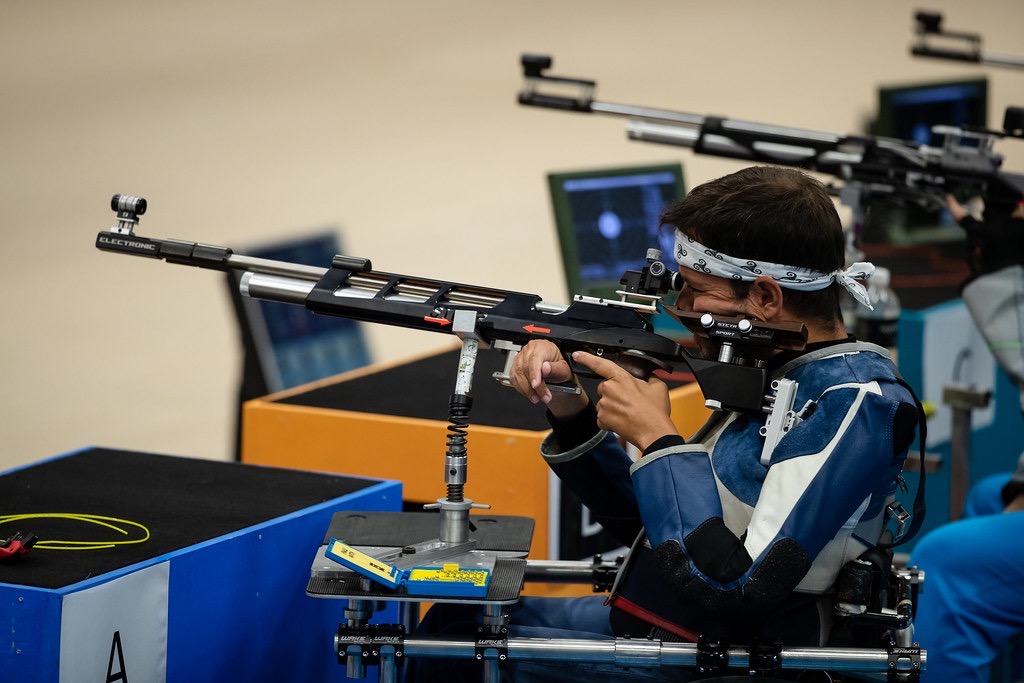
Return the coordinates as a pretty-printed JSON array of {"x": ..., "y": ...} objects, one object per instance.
[{"x": 504, "y": 320}]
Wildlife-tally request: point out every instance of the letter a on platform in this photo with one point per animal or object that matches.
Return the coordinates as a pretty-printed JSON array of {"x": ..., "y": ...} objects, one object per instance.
[
  {"x": 116, "y": 632},
  {"x": 117, "y": 673}
]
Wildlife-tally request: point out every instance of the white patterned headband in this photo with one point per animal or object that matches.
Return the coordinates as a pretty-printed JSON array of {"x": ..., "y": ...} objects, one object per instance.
[{"x": 695, "y": 256}]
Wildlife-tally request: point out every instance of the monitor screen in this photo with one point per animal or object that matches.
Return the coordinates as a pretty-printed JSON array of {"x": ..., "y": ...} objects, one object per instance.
[
  {"x": 607, "y": 219},
  {"x": 290, "y": 344},
  {"x": 908, "y": 112}
]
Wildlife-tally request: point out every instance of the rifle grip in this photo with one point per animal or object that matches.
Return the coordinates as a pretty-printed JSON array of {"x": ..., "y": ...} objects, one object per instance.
[
  {"x": 636, "y": 363},
  {"x": 639, "y": 364}
]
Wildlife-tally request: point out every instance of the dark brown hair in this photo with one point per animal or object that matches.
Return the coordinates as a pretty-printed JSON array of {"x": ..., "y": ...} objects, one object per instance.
[{"x": 769, "y": 213}]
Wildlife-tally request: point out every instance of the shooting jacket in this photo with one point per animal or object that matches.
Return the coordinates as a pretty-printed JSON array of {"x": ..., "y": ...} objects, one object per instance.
[{"x": 729, "y": 548}]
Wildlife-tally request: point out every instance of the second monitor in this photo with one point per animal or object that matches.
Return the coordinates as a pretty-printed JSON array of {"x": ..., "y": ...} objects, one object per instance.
[{"x": 606, "y": 221}]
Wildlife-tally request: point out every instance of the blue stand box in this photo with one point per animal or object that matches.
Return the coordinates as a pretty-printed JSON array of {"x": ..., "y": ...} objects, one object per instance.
[{"x": 217, "y": 591}]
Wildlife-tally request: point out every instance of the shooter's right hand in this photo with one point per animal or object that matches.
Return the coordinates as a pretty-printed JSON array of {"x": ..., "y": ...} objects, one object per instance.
[{"x": 536, "y": 365}]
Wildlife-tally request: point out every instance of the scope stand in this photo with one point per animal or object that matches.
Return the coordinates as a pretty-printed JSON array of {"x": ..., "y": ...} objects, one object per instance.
[
  {"x": 454, "y": 507},
  {"x": 360, "y": 644}
]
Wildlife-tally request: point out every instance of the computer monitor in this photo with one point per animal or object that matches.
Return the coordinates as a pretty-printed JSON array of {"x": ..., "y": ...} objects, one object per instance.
[
  {"x": 607, "y": 219},
  {"x": 293, "y": 345},
  {"x": 908, "y": 112},
  {"x": 286, "y": 345}
]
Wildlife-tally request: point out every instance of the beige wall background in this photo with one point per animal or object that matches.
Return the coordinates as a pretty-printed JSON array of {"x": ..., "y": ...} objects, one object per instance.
[{"x": 394, "y": 121}]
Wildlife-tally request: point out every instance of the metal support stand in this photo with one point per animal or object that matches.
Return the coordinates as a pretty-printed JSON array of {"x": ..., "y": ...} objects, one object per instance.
[
  {"x": 360, "y": 644},
  {"x": 352, "y": 643},
  {"x": 491, "y": 646},
  {"x": 895, "y": 662},
  {"x": 962, "y": 399}
]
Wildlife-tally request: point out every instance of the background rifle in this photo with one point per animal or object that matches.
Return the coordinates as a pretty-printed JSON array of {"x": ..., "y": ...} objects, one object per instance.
[
  {"x": 871, "y": 169},
  {"x": 502, "y": 319},
  {"x": 959, "y": 46}
]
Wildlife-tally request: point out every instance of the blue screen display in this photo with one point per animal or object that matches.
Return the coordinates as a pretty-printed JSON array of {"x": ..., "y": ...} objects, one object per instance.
[
  {"x": 295, "y": 345},
  {"x": 909, "y": 113},
  {"x": 615, "y": 221}
]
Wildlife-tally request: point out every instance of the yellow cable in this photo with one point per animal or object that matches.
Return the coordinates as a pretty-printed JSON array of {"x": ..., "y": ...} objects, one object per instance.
[{"x": 101, "y": 520}]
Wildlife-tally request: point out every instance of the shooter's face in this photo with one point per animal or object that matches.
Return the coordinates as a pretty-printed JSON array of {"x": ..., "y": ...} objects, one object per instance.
[{"x": 703, "y": 293}]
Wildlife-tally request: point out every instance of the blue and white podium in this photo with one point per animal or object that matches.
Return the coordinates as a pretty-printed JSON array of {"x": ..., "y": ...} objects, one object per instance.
[{"x": 215, "y": 593}]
